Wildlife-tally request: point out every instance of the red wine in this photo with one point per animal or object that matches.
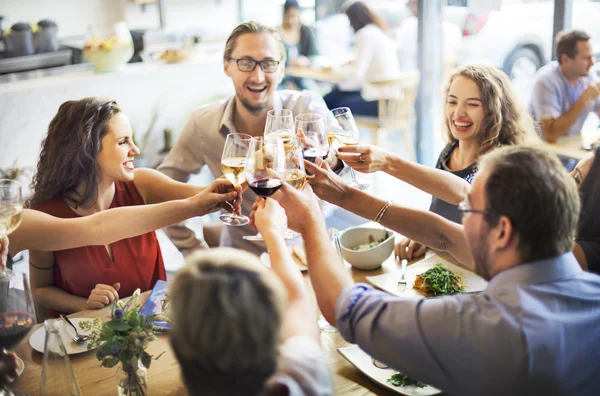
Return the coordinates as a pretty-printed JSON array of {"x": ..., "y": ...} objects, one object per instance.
[
  {"x": 311, "y": 154},
  {"x": 265, "y": 187},
  {"x": 13, "y": 327}
]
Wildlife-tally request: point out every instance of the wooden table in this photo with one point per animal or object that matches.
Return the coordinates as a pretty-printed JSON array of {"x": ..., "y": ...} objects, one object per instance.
[
  {"x": 318, "y": 74},
  {"x": 164, "y": 375},
  {"x": 568, "y": 146}
]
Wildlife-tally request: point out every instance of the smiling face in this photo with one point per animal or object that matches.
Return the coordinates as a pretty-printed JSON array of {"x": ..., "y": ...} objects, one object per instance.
[
  {"x": 464, "y": 109},
  {"x": 582, "y": 63},
  {"x": 115, "y": 159},
  {"x": 254, "y": 90}
]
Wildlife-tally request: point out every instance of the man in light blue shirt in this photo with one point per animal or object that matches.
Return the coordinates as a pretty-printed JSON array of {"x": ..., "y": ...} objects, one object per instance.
[
  {"x": 536, "y": 327},
  {"x": 565, "y": 92}
]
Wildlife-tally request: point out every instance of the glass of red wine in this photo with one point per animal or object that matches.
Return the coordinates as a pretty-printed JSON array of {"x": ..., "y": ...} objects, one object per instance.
[
  {"x": 265, "y": 168},
  {"x": 312, "y": 136},
  {"x": 17, "y": 312}
]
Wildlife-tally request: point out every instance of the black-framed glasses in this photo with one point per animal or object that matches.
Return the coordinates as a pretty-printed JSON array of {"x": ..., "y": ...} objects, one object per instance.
[
  {"x": 465, "y": 207},
  {"x": 248, "y": 65}
]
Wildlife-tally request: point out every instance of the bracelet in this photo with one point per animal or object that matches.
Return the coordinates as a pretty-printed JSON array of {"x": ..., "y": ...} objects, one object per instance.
[{"x": 379, "y": 216}]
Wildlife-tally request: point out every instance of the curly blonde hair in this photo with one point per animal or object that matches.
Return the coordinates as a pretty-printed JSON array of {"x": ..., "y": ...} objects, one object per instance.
[{"x": 506, "y": 122}]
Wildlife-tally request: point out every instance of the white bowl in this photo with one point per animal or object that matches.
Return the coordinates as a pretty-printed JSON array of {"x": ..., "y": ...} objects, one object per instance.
[{"x": 369, "y": 258}]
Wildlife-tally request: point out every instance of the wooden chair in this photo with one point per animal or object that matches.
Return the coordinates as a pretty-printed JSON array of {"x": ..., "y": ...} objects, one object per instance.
[{"x": 396, "y": 108}]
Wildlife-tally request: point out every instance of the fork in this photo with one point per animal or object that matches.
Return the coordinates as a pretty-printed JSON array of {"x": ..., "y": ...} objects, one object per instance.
[{"x": 402, "y": 281}]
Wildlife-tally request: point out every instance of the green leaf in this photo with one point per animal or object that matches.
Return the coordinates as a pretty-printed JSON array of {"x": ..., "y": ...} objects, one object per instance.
[
  {"x": 110, "y": 362},
  {"x": 146, "y": 359},
  {"x": 118, "y": 325}
]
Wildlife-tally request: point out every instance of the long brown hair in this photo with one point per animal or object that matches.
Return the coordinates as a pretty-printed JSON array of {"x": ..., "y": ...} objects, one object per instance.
[
  {"x": 69, "y": 152},
  {"x": 506, "y": 121},
  {"x": 360, "y": 15}
]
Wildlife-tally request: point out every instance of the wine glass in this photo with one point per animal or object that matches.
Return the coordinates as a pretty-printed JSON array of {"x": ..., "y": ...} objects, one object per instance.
[
  {"x": 233, "y": 164},
  {"x": 312, "y": 136},
  {"x": 17, "y": 313},
  {"x": 343, "y": 127},
  {"x": 280, "y": 123},
  {"x": 265, "y": 165},
  {"x": 11, "y": 206},
  {"x": 295, "y": 176}
]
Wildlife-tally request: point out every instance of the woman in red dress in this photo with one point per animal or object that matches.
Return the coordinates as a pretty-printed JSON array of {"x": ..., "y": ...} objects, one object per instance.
[{"x": 86, "y": 166}]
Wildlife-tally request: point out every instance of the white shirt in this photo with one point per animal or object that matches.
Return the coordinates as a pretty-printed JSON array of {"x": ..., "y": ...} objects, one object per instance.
[{"x": 376, "y": 59}]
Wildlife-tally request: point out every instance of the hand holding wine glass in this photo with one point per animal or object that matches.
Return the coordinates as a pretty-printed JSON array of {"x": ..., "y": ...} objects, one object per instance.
[
  {"x": 312, "y": 136},
  {"x": 265, "y": 165},
  {"x": 11, "y": 206}
]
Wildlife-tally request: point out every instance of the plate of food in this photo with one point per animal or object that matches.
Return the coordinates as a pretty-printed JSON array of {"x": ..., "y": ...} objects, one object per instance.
[
  {"x": 430, "y": 277},
  {"x": 157, "y": 306},
  {"x": 384, "y": 376},
  {"x": 38, "y": 338}
]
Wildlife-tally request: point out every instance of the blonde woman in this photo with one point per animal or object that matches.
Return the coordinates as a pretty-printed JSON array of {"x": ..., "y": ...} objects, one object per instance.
[{"x": 481, "y": 114}]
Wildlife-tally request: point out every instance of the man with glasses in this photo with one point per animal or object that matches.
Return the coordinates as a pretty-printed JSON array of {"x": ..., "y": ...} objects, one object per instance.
[
  {"x": 535, "y": 329},
  {"x": 254, "y": 59}
]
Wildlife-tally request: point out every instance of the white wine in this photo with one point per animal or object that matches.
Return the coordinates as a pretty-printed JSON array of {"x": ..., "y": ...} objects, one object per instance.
[
  {"x": 295, "y": 178},
  {"x": 347, "y": 140},
  {"x": 10, "y": 218},
  {"x": 287, "y": 137},
  {"x": 331, "y": 138},
  {"x": 233, "y": 169}
]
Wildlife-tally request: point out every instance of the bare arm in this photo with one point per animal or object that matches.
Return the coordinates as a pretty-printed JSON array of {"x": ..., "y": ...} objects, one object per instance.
[
  {"x": 327, "y": 273},
  {"x": 300, "y": 318},
  {"x": 441, "y": 184},
  {"x": 552, "y": 129},
  {"x": 40, "y": 231},
  {"x": 424, "y": 227}
]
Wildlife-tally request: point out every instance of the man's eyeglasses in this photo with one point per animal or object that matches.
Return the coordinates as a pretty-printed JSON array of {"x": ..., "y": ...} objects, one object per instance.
[
  {"x": 248, "y": 65},
  {"x": 465, "y": 207}
]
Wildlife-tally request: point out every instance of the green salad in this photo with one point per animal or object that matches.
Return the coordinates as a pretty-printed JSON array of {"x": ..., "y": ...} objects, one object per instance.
[
  {"x": 442, "y": 281},
  {"x": 400, "y": 379}
]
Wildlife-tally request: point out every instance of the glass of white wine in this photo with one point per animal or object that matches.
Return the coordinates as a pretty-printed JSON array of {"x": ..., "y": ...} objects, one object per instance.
[
  {"x": 280, "y": 123},
  {"x": 11, "y": 206},
  {"x": 295, "y": 176},
  {"x": 343, "y": 127},
  {"x": 233, "y": 165}
]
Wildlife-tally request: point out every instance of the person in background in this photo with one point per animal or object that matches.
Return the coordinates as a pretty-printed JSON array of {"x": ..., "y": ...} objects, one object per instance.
[
  {"x": 375, "y": 59},
  {"x": 300, "y": 42},
  {"x": 253, "y": 330},
  {"x": 533, "y": 330},
  {"x": 565, "y": 92},
  {"x": 482, "y": 113},
  {"x": 254, "y": 59},
  {"x": 86, "y": 167}
]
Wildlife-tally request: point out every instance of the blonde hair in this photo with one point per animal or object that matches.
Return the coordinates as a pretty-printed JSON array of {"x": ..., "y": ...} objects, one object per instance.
[
  {"x": 506, "y": 121},
  {"x": 252, "y": 27},
  {"x": 227, "y": 311}
]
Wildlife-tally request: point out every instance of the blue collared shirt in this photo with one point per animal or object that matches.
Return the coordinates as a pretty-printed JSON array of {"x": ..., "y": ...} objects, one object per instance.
[
  {"x": 553, "y": 96},
  {"x": 535, "y": 330}
]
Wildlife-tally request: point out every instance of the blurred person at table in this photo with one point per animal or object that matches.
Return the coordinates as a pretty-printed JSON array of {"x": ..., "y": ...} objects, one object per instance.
[
  {"x": 482, "y": 113},
  {"x": 86, "y": 167},
  {"x": 532, "y": 331},
  {"x": 375, "y": 59},
  {"x": 299, "y": 40},
  {"x": 406, "y": 37},
  {"x": 253, "y": 330},
  {"x": 567, "y": 90},
  {"x": 254, "y": 59}
]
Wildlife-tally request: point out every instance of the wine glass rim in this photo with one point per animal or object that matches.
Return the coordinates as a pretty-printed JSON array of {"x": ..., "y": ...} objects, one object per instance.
[
  {"x": 341, "y": 111},
  {"x": 284, "y": 113},
  {"x": 240, "y": 136},
  {"x": 309, "y": 116},
  {"x": 9, "y": 181}
]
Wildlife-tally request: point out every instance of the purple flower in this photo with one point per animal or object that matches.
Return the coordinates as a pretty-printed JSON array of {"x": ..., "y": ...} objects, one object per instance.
[{"x": 118, "y": 314}]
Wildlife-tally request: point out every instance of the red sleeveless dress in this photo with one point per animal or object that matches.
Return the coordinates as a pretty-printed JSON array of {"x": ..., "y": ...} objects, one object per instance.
[{"x": 137, "y": 263}]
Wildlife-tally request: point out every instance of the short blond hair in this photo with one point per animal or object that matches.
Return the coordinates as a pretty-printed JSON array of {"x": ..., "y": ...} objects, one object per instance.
[
  {"x": 252, "y": 27},
  {"x": 227, "y": 311}
]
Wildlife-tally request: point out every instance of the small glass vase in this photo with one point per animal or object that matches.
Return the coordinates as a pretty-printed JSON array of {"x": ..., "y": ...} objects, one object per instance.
[{"x": 132, "y": 382}]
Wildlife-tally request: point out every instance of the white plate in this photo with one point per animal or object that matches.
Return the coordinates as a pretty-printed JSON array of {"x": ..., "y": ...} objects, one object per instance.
[
  {"x": 389, "y": 282},
  {"x": 359, "y": 359},
  {"x": 38, "y": 338}
]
